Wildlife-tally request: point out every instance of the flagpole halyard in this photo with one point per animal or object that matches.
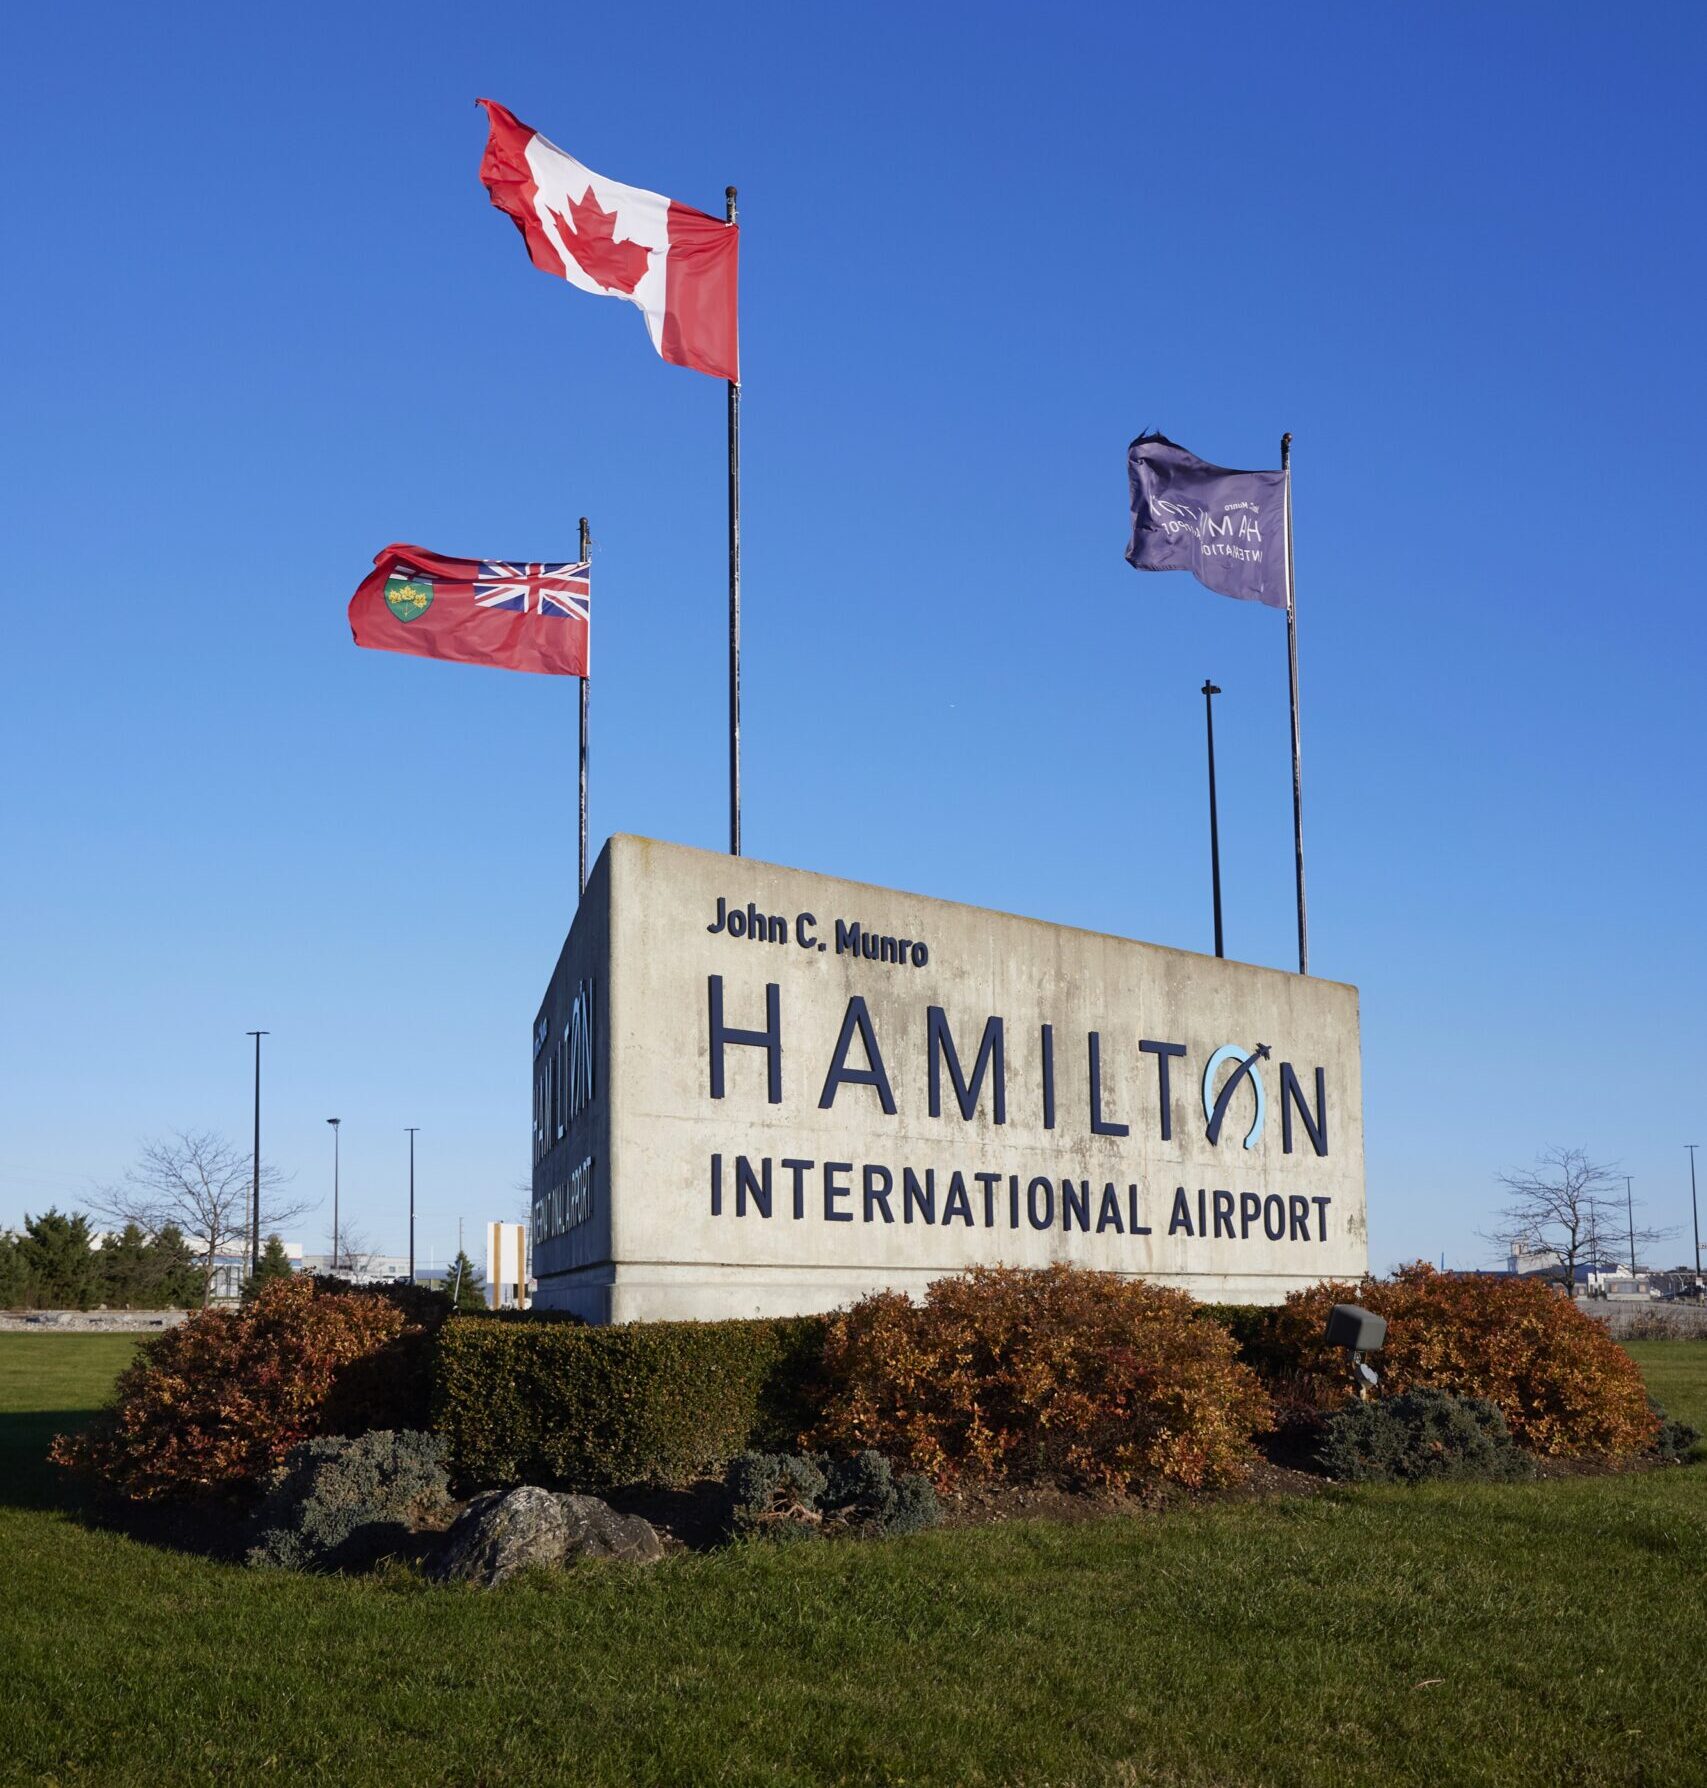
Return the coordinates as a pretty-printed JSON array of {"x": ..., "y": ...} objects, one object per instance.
[
  {"x": 734, "y": 592},
  {"x": 1292, "y": 681},
  {"x": 586, "y": 558}
]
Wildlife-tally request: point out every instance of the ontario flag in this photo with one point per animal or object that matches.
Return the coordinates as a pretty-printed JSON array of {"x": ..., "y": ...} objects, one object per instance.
[
  {"x": 518, "y": 615},
  {"x": 675, "y": 263}
]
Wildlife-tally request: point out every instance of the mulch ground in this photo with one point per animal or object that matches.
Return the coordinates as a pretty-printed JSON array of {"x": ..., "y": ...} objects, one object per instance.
[{"x": 695, "y": 1517}]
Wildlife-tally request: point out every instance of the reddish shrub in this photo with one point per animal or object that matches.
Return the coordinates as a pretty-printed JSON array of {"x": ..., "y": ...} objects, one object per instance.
[
  {"x": 1078, "y": 1377},
  {"x": 1564, "y": 1386},
  {"x": 212, "y": 1406}
]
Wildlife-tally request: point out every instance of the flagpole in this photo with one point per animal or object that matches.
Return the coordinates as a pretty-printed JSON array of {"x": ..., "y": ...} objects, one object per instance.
[
  {"x": 1211, "y": 690},
  {"x": 586, "y": 552},
  {"x": 734, "y": 593},
  {"x": 1292, "y": 676}
]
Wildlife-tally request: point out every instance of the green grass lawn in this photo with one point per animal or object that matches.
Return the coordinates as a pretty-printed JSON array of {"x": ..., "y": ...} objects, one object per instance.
[
  {"x": 1676, "y": 1372},
  {"x": 1524, "y": 1634}
]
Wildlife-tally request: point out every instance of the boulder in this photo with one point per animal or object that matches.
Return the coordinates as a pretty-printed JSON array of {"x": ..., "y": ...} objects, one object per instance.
[
  {"x": 596, "y": 1530},
  {"x": 506, "y": 1531}
]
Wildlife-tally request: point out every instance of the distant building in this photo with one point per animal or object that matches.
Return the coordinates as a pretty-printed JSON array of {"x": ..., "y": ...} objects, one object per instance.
[
  {"x": 507, "y": 1266},
  {"x": 1523, "y": 1261},
  {"x": 369, "y": 1269},
  {"x": 231, "y": 1266},
  {"x": 1597, "y": 1277},
  {"x": 1606, "y": 1281}
]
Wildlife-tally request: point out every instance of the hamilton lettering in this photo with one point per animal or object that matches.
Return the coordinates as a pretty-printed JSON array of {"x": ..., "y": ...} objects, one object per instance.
[{"x": 970, "y": 1072}]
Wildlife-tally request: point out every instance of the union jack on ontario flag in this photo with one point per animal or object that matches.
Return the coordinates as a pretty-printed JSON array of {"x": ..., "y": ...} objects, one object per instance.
[{"x": 547, "y": 589}]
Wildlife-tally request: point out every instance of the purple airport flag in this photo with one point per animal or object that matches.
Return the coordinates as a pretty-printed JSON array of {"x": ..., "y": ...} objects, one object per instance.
[{"x": 1228, "y": 529}]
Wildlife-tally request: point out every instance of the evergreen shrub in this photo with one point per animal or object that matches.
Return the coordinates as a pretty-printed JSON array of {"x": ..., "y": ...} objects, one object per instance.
[
  {"x": 1066, "y": 1375},
  {"x": 464, "y": 1286},
  {"x": 1563, "y": 1385},
  {"x": 866, "y": 1491},
  {"x": 1674, "y": 1440},
  {"x": 340, "y": 1504},
  {"x": 53, "y": 1263},
  {"x": 1420, "y": 1435},
  {"x": 210, "y": 1408},
  {"x": 142, "y": 1274},
  {"x": 790, "y": 1495},
  {"x": 274, "y": 1264},
  {"x": 532, "y": 1399},
  {"x": 56, "y": 1264},
  {"x": 774, "y": 1492}
]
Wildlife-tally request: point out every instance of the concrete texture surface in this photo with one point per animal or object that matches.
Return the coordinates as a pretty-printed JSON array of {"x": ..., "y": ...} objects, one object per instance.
[{"x": 768, "y": 1100}]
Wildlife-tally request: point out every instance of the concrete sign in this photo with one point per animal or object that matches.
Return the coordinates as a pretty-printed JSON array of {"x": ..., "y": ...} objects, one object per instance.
[{"x": 759, "y": 1091}]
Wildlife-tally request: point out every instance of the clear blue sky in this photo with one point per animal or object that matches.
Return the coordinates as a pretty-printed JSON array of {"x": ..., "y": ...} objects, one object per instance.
[{"x": 262, "y": 320}]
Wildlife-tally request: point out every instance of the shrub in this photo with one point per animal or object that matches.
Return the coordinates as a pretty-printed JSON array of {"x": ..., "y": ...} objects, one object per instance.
[
  {"x": 1078, "y": 1377},
  {"x": 213, "y": 1406},
  {"x": 423, "y": 1305},
  {"x": 15, "y": 1283},
  {"x": 464, "y": 1286},
  {"x": 866, "y": 1491},
  {"x": 1563, "y": 1385},
  {"x": 792, "y": 1495},
  {"x": 1253, "y": 1328},
  {"x": 1674, "y": 1440},
  {"x": 273, "y": 1264},
  {"x": 916, "y": 1505},
  {"x": 770, "y": 1491},
  {"x": 340, "y": 1505},
  {"x": 1654, "y": 1325},
  {"x": 1422, "y": 1434},
  {"x": 531, "y": 1399},
  {"x": 141, "y": 1273},
  {"x": 58, "y": 1263}
]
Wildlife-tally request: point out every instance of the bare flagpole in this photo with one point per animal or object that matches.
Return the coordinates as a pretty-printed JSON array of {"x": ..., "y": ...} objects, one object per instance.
[
  {"x": 586, "y": 552},
  {"x": 1292, "y": 675},
  {"x": 734, "y": 593},
  {"x": 1210, "y": 690}
]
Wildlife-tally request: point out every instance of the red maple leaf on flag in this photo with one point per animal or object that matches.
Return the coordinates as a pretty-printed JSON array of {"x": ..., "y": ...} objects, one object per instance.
[{"x": 617, "y": 266}]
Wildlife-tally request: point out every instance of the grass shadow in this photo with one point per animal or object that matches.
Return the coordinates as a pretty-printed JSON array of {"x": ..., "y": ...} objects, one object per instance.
[
  {"x": 27, "y": 1480},
  {"x": 202, "y": 1530}
]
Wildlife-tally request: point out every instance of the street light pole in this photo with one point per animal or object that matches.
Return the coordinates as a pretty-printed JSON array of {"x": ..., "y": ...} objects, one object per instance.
[
  {"x": 335, "y": 1122},
  {"x": 412, "y": 1128},
  {"x": 1630, "y": 1217},
  {"x": 255, "y": 1179},
  {"x": 1695, "y": 1210}
]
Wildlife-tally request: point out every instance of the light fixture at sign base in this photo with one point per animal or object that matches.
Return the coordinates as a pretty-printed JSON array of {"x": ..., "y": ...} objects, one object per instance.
[{"x": 1358, "y": 1331}]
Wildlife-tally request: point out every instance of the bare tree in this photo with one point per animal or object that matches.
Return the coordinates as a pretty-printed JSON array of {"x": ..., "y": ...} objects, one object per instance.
[
  {"x": 1564, "y": 1205},
  {"x": 356, "y": 1254},
  {"x": 200, "y": 1182}
]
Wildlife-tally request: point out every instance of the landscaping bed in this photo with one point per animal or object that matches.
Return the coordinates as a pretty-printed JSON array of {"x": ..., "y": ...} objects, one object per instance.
[{"x": 1359, "y": 1637}]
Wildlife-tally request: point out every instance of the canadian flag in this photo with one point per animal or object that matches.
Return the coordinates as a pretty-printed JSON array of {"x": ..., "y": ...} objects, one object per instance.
[{"x": 676, "y": 263}]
